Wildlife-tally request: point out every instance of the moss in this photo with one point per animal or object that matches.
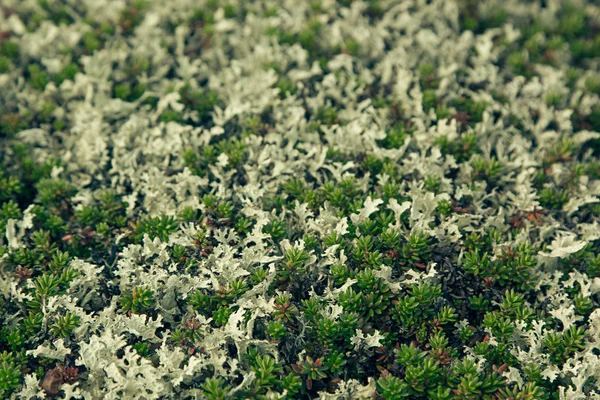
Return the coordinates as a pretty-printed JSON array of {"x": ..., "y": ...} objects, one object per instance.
[
  {"x": 132, "y": 16},
  {"x": 56, "y": 12},
  {"x": 201, "y": 100},
  {"x": 10, "y": 124},
  {"x": 5, "y": 65},
  {"x": 10, "y": 50},
  {"x": 352, "y": 47},
  {"x": 91, "y": 42},
  {"x": 67, "y": 73},
  {"x": 430, "y": 99},
  {"x": 286, "y": 87},
  {"x": 519, "y": 64},
  {"x": 427, "y": 77},
  {"x": 327, "y": 115},
  {"x": 170, "y": 115},
  {"x": 38, "y": 78}
]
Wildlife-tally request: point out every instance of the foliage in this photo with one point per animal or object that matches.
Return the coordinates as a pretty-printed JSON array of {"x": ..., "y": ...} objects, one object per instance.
[{"x": 267, "y": 200}]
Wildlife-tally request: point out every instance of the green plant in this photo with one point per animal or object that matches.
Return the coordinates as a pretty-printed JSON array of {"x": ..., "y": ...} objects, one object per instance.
[
  {"x": 139, "y": 300},
  {"x": 38, "y": 78},
  {"x": 311, "y": 370},
  {"x": 562, "y": 346},
  {"x": 417, "y": 250},
  {"x": 64, "y": 325},
  {"x": 10, "y": 374},
  {"x": 157, "y": 227},
  {"x": 215, "y": 389},
  {"x": 488, "y": 170}
]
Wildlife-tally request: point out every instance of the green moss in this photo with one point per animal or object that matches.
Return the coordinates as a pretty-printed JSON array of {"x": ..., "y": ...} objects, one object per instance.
[
  {"x": 430, "y": 99},
  {"x": 286, "y": 87},
  {"x": 10, "y": 50},
  {"x": 462, "y": 148},
  {"x": 427, "y": 76},
  {"x": 38, "y": 78},
  {"x": 553, "y": 198},
  {"x": 230, "y": 11},
  {"x": 352, "y": 47},
  {"x": 517, "y": 61},
  {"x": 572, "y": 22},
  {"x": 91, "y": 42},
  {"x": 57, "y": 13},
  {"x": 327, "y": 115},
  {"x": 10, "y": 124},
  {"x": 553, "y": 99},
  {"x": 45, "y": 114},
  {"x": 67, "y": 73},
  {"x": 170, "y": 115},
  {"x": 122, "y": 91},
  {"x": 5, "y": 65},
  {"x": 132, "y": 16},
  {"x": 489, "y": 170},
  {"x": 201, "y": 100}
]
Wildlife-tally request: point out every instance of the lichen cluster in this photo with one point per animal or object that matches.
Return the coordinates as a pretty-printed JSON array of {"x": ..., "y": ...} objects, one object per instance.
[{"x": 284, "y": 199}]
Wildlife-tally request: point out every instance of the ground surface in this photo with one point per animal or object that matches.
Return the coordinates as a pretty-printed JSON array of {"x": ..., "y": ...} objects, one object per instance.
[{"x": 299, "y": 199}]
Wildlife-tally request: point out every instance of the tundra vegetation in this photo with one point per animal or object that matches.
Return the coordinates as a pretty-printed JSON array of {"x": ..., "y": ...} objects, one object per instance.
[{"x": 283, "y": 199}]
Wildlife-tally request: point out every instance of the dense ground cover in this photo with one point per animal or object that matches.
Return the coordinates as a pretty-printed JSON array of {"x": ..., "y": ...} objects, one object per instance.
[{"x": 299, "y": 199}]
